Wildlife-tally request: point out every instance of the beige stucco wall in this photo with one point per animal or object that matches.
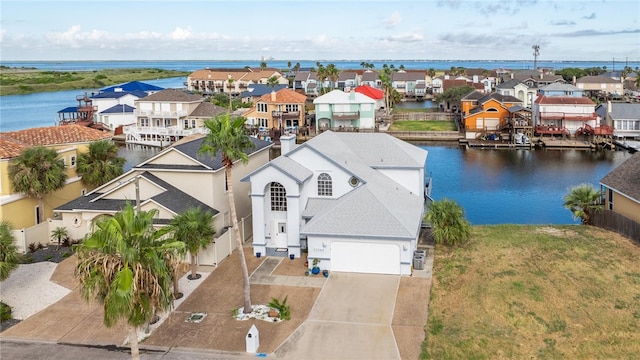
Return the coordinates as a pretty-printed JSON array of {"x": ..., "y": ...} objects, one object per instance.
[{"x": 626, "y": 207}]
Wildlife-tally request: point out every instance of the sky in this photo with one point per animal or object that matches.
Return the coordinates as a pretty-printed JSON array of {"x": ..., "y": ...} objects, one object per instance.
[{"x": 572, "y": 30}]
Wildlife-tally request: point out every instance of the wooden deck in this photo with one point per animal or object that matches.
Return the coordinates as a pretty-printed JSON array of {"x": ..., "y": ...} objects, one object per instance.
[
  {"x": 559, "y": 143},
  {"x": 493, "y": 144}
]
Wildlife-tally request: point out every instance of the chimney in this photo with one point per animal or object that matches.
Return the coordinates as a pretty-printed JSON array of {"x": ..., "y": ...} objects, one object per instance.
[
  {"x": 352, "y": 95},
  {"x": 608, "y": 107},
  {"x": 475, "y": 79},
  {"x": 573, "y": 82},
  {"x": 511, "y": 76},
  {"x": 273, "y": 95},
  {"x": 287, "y": 143}
]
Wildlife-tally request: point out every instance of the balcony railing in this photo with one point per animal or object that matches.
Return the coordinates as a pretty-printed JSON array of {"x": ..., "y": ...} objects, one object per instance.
[
  {"x": 346, "y": 115},
  {"x": 285, "y": 114},
  {"x": 160, "y": 114},
  {"x": 170, "y": 131},
  {"x": 546, "y": 115}
]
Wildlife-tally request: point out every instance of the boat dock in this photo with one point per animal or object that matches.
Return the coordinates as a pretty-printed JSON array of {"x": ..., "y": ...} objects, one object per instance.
[{"x": 631, "y": 145}]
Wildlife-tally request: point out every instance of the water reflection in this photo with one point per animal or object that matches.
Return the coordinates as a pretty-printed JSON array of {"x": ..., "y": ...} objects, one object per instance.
[{"x": 515, "y": 186}]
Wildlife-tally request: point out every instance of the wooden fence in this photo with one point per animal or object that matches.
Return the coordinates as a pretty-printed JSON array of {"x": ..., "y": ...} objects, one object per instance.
[{"x": 610, "y": 220}]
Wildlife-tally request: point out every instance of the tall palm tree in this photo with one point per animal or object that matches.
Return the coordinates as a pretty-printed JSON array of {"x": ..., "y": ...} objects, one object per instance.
[
  {"x": 194, "y": 228},
  {"x": 230, "y": 81},
  {"x": 333, "y": 74},
  {"x": 8, "y": 251},
  {"x": 263, "y": 65},
  {"x": 431, "y": 72},
  {"x": 583, "y": 200},
  {"x": 448, "y": 223},
  {"x": 121, "y": 264},
  {"x": 36, "y": 173},
  {"x": 321, "y": 73},
  {"x": 228, "y": 138},
  {"x": 272, "y": 82},
  {"x": 289, "y": 67},
  {"x": 59, "y": 233},
  {"x": 100, "y": 164}
]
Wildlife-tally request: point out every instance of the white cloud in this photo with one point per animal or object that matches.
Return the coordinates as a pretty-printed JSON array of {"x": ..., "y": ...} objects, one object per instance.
[
  {"x": 393, "y": 20},
  {"x": 406, "y": 37},
  {"x": 180, "y": 34}
]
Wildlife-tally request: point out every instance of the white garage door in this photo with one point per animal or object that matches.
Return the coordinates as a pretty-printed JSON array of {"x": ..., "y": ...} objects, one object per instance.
[
  {"x": 365, "y": 258},
  {"x": 491, "y": 124}
]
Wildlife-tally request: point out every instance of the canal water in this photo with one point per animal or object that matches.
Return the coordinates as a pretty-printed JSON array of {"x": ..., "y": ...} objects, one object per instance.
[{"x": 493, "y": 186}]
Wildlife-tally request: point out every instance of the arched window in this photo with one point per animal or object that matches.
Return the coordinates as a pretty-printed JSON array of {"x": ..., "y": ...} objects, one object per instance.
[
  {"x": 278, "y": 197},
  {"x": 325, "y": 185},
  {"x": 492, "y": 110}
]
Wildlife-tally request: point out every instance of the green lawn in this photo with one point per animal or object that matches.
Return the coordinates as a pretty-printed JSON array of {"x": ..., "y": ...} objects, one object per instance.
[
  {"x": 532, "y": 292},
  {"x": 25, "y": 81},
  {"x": 423, "y": 126}
]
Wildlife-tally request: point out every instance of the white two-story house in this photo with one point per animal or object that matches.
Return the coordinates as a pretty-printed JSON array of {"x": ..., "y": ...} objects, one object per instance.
[{"x": 355, "y": 201}]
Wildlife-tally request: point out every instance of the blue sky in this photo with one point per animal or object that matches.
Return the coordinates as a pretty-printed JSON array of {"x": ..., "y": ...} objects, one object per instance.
[{"x": 597, "y": 30}]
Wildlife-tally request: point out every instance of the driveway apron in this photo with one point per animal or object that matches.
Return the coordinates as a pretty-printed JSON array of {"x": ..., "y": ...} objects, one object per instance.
[{"x": 351, "y": 319}]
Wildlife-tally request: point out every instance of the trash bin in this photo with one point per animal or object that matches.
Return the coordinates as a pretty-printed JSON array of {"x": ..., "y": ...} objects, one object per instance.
[
  {"x": 253, "y": 340},
  {"x": 420, "y": 252},
  {"x": 418, "y": 262}
]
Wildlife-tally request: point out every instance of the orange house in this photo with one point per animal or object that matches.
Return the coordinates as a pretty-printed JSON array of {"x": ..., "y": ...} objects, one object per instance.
[
  {"x": 482, "y": 112},
  {"x": 284, "y": 108}
]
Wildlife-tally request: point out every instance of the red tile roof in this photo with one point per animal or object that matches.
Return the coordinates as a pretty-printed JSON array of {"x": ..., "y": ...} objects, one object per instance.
[
  {"x": 13, "y": 141},
  {"x": 369, "y": 91},
  {"x": 284, "y": 96},
  {"x": 564, "y": 100},
  {"x": 10, "y": 148}
]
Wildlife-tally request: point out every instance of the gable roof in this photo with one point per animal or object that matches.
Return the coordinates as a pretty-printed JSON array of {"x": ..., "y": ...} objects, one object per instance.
[
  {"x": 284, "y": 96},
  {"x": 369, "y": 91},
  {"x": 379, "y": 207},
  {"x": 190, "y": 147},
  {"x": 559, "y": 87},
  {"x": 625, "y": 178},
  {"x": 171, "y": 198},
  {"x": 57, "y": 135},
  {"x": 589, "y": 79},
  {"x": 624, "y": 111},
  {"x": 132, "y": 86},
  {"x": 340, "y": 97},
  {"x": 119, "y": 109},
  {"x": 173, "y": 95},
  {"x": 207, "y": 110},
  {"x": 255, "y": 90},
  {"x": 10, "y": 147},
  {"x": 510, "y": 84},
  {"x": 564, "y": 100},
  {"x": 118, "y": 94}
]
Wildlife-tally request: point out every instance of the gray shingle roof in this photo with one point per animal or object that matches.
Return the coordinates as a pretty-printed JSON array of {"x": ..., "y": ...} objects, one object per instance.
[
  {"x": 207, "y": 110},
  {"x": 172, "y": 198},
  {"x": 625, "y": 178},
  {"x": 625, "y": 111},
  {"x": 379, "y": 202},
  {"x": 191, "y": 148}
]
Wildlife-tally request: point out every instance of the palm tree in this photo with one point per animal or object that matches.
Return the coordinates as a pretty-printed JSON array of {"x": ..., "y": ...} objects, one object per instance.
[
  {"x": 59, "y": 233},
  {"x": 121, "y": 264},
  {"x": 448, "y": 223},
  {"x": 228, "y": 138},
  {"x": 431, "y": 72},
  {"x": 289, "y": 67},
  {"x": 8, "y": 251},
  {"x": 263, "y": 65},
  {"x": 272, "y": 82},
  {"x": 100, "y": 164},
  {"x": 36, "y": 173},
  {"x": 195, "y": 228},
  {"x": 333, "y": 74},
  {"x": 230, "y": 85},
  {"x": 583, "y": 200},
  {"x": 321, "y": 73}
]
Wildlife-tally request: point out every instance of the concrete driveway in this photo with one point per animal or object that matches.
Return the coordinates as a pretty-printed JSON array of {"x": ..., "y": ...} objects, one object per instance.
[{"x": 351, "y": 319}]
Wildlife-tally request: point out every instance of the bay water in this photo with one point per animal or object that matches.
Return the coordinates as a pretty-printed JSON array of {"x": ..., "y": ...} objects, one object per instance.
[{"x": 493, "y": 186}]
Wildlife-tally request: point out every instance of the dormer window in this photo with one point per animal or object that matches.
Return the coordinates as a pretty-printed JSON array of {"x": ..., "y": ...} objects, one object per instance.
[{"x": 325, "y": 185}]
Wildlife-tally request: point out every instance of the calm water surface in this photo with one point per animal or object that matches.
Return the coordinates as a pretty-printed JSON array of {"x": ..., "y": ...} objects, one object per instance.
[{"x": 515, "y": 186}]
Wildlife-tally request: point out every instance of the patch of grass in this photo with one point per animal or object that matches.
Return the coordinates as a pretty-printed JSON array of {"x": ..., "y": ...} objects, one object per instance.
[
  {"x": 522, "y": 292},
  {"x": 423, "y": 126}
]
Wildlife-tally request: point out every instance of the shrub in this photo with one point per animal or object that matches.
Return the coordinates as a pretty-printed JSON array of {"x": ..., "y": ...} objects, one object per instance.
[
  {"x": 5, "y": 312},
  {"x": 33, "y": 247},
  {"x": 282, "y": 307}
]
